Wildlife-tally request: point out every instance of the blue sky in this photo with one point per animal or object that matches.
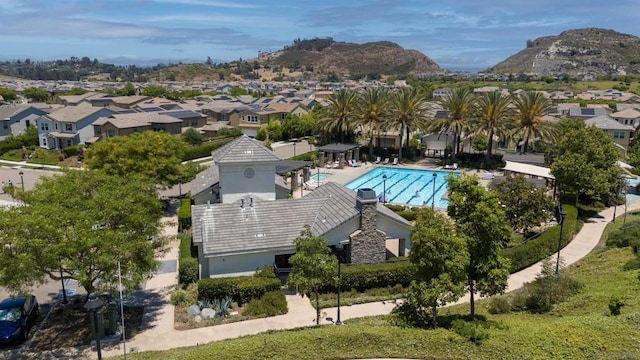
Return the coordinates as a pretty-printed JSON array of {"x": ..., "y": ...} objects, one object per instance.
[{"x": 457, "y": 34}]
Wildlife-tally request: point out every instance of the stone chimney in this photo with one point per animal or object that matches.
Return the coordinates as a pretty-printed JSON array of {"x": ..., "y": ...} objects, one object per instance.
[{"x": 368, "y": 244}]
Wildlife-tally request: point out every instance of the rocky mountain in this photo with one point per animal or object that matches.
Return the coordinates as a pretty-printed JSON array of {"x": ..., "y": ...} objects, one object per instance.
[
  {"x": 577, "y": 53},
  {"x": 325, "y": 56}
]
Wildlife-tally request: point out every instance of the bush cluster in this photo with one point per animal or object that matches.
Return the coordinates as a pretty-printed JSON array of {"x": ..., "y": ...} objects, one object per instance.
[
  {"x": 241, "y": 288},
  {"x": 188, "y": 269},
  {"x": 271, "y": 303},
  {"x": 184, "y": 214},
  {"x": 370, "y": 276},
  {"x": 544, "y": 245},
  {"x": 630, "y": 236},
  {"x": 29, "y": 138},
  {"x": 473, "y": 331},
  {"x": 543, "y": 293},
  {"x": 204, "y": 150}
]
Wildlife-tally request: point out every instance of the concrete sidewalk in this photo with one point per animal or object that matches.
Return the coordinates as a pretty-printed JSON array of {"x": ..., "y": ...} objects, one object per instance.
[{"x": 160, "y": 335}]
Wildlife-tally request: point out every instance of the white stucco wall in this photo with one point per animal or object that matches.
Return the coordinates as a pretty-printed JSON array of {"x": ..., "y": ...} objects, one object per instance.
[
  {"x": 234, "y": 184},
  {"x": 232, "y": 265}
]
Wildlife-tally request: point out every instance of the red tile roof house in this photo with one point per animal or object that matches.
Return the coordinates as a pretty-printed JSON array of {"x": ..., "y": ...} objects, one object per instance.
[{"x": 248, "y": 228}]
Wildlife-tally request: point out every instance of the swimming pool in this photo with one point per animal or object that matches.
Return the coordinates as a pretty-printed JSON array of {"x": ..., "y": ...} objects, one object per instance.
[
  {"x": 406, "y": 186},
  {"x": 320, "y": 176}
]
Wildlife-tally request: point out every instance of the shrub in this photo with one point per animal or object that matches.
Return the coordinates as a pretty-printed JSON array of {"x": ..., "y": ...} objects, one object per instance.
[
  {"x": 629, "y": 236},
  {"x": 544, "y": 245},
  {"x": 614, "y": 305},
  {"x": 408, "y": 215},
  {"x": 184, "y": 297},
  {"x": 70, "y": 151},
  {"x": 395, "y": 208},
  {"x": 369, "y": 276},
  {"x": 499, "y": 305},
  {"x": 203, "y": 150},
  {"x": 271, "y": 304},
  {"x": 549, "y": 290},
  {"x": 184, "y": 214},
  {"x": 242, "y": 289},
  {"x": 472, "y": 331},
  {"x": 265, "y": 272},
  {"x": 188, "y": 271}
]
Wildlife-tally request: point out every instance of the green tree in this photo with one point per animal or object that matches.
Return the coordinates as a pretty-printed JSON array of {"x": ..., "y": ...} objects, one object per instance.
[
  {"x": 155, "y": 155},
  {"x": 480, "y": 218},
  {"x": 237, "y": 91},
  {"x": 36, "y": 94},
  {"x": 82, "y": 222},
  {"x": 192, "y": 136},
  {"x": 76, "y": 91},
  {"x": 371, "y": 110},
  {"x": 440, "y": 256},
  {"x": 8, "y": 95},
  {"x": 312, "y": 267},
  {"x": 154, "y": 91},
  {"x": 493, "y": 117},
  {"x": 340, "y": 114},
  {"x": 584, "y": 162},
  {"x": 408, "y": 112},
  {"x": 530, "y": 124},
  {"x": 128, "y": 90},
  {"x": 460, "y": 105},
  {"x": 525, "y": 205}
]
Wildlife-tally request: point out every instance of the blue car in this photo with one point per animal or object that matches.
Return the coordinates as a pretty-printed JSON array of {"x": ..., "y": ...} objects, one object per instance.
[{"x": 17, "y": 315}]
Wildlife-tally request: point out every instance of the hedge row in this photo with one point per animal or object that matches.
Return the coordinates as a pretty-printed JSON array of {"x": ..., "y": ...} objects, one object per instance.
[
  {"x": 544, "y": 245},
  {"x": 188, "y": 267},
  {"x": 370, "y": 276},
  {"x": 203, "y": 150},
  {"x": 241, "y": 288},
  {"x": 184, "y": 214},
  {"x": 271, "y": 304}
]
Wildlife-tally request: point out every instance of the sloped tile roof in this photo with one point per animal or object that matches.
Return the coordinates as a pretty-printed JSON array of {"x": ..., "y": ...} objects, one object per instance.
[
  {"x": 604, "y": 122},
  {"x": 242, "y": 150},
  {"x": 268, "y": 225}
]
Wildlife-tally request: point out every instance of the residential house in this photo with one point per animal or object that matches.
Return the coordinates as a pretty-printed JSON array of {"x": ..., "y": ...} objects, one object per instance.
[
  {"x": 250, "y": 228},
  {"x": 189, "y": 118},
  {"x": 441, "y": 93},
  {"x": 127, "y": 124},
  {"x": 586, "y": 112},
  {"x": 620, "y": 133},
  {"x": 128, "y": 102},
  {"x": 69, "y": 125},
  {"x": 628, "y": 116},
  {"x": 256, "y": 116},
  {"x": 16, "y": 118}
]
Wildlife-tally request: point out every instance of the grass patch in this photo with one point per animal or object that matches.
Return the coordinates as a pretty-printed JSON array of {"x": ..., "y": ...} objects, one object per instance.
[
  {"x": 580, "y": 328},
  {"x": 353, "y": 297}
]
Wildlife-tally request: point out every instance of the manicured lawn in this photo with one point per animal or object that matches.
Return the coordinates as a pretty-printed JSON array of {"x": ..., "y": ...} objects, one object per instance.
[{"x": 580, "y": 328}]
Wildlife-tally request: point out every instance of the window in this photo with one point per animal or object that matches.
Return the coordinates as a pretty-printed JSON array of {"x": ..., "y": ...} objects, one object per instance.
[
  {"x": 56, "y": 126},
  {"x": 252, "y": 118},
  {"x": 111, "y": 133},
  {"x": 5, "y": 125},
  {"x": 618, "y": 135},
  {"x": 68, "y": 127},
  {"x": 44, "y": 126},
  {"x": 194, "y": 122},
  {"x": 283, "y": 116}
]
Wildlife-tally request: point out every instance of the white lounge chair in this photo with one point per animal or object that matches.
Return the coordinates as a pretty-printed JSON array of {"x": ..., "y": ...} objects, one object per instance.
[
  {"x": 451, "y": 167},
  {"x": 395, "y": 161},
  {"x": 386, "y": 161},
  {"x": 353, "y": 163},
  {"x": 378, "y": 160}
]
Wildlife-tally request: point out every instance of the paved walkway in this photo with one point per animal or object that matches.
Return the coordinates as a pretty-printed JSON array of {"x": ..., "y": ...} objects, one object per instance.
[{"x": 160, "y": 335}]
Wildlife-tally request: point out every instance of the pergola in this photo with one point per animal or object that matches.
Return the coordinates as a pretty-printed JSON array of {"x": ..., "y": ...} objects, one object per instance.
[
  {"x": 292, "y": 168},
  {"x": 338, "y": 152}
]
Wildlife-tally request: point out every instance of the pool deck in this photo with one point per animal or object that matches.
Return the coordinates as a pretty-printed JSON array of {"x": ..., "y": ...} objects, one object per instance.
[{"x": 347, "y": 174}]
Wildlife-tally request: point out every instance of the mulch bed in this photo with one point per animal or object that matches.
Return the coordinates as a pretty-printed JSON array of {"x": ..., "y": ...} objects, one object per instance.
[{"x": 69, "y": 326}]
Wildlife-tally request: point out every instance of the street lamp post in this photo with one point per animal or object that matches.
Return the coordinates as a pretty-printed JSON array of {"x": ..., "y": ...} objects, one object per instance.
[
  {"x": 294, "y": 149},
  {"x": 21, "y": 173},
  {"x": 615, "y": 206},
  {"x": 339, "y": 249},
  {"x": 180, "y": 187},
  {"x": 446, "y": 143},
  {"x": 93, "y": 305},
  {"x": 433, "y": 196},
  {"x": 561, "y": 215},
  {"x": 384, "y": 188}
]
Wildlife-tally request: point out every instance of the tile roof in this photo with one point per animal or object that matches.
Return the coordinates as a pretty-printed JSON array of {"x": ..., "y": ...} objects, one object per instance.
[
  {"x": 269, "y": 225},
  {"x": 243, "y": 149},
  {"x": 605, "y": 122},
  {"x": 7, "y": 111},
  {"x": 628, "y": 113},
  {"x": 205, "y": 180},
  {"x": 73, "y": 113}
]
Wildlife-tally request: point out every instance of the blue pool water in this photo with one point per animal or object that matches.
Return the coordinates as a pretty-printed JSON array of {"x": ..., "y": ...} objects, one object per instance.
[
  {"x": 405, "y": 186},
  {"x": 320, "y": 176}
]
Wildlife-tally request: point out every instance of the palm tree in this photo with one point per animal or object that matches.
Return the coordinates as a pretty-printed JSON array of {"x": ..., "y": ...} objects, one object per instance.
[
  {"x": 371, "y": 110},
  {"x": 493, "y": 117},
  {"x": 408, "y": 112},
  {"x": 460, "y": 105},
  {"x": 531, "y": 107},
  {"x": 340, "y": 113}
]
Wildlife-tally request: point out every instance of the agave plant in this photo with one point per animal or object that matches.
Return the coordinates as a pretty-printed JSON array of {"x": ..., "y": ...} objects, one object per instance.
[
  {"x": 205, "y": 303},
  {"x": 222, "y": 306}
]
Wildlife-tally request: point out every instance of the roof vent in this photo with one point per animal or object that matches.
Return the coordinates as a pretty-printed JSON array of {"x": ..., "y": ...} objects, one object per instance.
[{"x": 367, "y": 194}]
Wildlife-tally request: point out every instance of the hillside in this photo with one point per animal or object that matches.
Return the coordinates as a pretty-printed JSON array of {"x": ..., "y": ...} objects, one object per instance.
[
  {"x": 577, "y": 52},
  {"x": 325, "y": 55}
]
